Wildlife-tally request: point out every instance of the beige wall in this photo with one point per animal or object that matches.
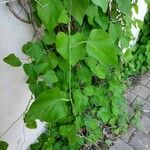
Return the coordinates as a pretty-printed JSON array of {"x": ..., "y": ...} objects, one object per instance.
[{"x": 14, "y": 93}]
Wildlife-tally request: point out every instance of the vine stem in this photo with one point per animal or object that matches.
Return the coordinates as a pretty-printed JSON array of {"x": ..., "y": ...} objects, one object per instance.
[
  {"x": 69, "y": 76},
  {"x": 11, "y": 125},
  {"x": 70, "y": 72},
  {"x": 9, "y": 4},
  {"x": 16, "y": 120},
  {"x": 69, "y": 52}
]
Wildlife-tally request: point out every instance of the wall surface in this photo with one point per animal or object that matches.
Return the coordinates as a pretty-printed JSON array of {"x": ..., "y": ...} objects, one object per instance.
[
  {"x": 14, "y": 93},
  {"x": 141, "y": 13}
]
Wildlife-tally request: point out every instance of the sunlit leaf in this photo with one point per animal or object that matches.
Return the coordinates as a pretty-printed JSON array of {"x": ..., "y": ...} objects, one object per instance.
[{"x": 97, "y": 48}]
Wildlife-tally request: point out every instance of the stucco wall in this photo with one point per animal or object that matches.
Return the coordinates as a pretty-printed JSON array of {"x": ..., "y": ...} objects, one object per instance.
[{"x": 14, "y": 93}]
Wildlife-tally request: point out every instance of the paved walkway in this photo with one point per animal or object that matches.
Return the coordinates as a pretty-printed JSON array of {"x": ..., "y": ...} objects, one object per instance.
[{"x": 137, "y": 138}]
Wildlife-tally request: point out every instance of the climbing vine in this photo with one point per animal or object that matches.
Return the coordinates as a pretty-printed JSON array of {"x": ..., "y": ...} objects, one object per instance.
[
  {"x": 140, "y": 58},
  {"x": 76, "y": 71}
]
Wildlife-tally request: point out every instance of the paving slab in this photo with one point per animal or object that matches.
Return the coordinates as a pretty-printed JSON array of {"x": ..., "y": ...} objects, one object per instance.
[
  {"x": 148, "y": 99},
  {"x": 148, "y": 74},
  {"x": 130, "y": 97},
  {"x": 121, "y": 145},
  {"x": 127, "y": 136},
  {"x": 142, "y": 91},
  {"x": 145, "y": 125},
  {"x": 145, "y": 105},
  {"x": 148, "y": 84},
  {"x": 137, "y": 138},
  {"x": 144, "y": 79},
  {"x": 140, "y": 141}
]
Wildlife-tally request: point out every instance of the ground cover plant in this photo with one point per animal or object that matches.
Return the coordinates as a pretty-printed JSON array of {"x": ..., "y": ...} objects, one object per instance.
[{"x": 77, "y": 71}]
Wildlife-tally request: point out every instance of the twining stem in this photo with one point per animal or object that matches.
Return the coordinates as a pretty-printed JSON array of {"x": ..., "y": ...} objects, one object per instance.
[
  {"x": 16, "y": 119},
  {"x": 69, "y": 52},
  {"x": 69, "y": 76}
]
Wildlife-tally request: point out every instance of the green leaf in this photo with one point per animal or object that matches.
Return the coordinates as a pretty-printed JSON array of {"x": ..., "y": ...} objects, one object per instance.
[
  {"x": 12, "y": 60},
  {"x": 139, "y": 23},
  {"x": 79, "y": 122},
  {"x": 78, "y": 8},
  {"x": 147, "y": 1},
  {"x": 63, "y": 18},
  {"x": 103, "y": 21},
  {"x": 128, "y": 55},
  {"x": 116, "y": 87},
  {"x": 28, "y": 69},
  {"x": 124, "y": 41},
  {"x": 80, "y": 101},
  {"x": 50, "y": 106},
  {"x": 102, "y": 3},
  {"x": 97, "y": 48},
  {"x": 37, "y": 88},
  {"x": 69, "y": 131},
  {"x": 57, "y": 145},
  {"x": 99, "y": 70},
  {"x": 100, "y": 98},
  {"x": 115, "y": 31},
  {"x": 84, "y": 74},
  {"x": 63, "y": 64},
  {"x": 135, "y": 6},
  {"x": 124, "y": 6},
  {"x": 53, "y": 60},
  {"x": 88, "y": 91},
  {"x": 34, "y": 50},
  {"x": 77, "y": 50},
  {"x": 3, "y": 145},
  {"x": 115, "y": 110},
  {"x": 50, "y": 77},
  {"x": 92, "y": 12},
  {"x": 148, "y": 57},
  {"x": 92, "y": 125},
  {"x": 26, "y": 47},
  {"x": 41, "y": 68},
  {"x": 62, "y": 76},
  {"x": 49, "y": 37},
  {"x": 39, "y": 143},
  {"x": 49, "y": 12},
  {"x": 48, "y": 145},
  {"x": 103, "y": 114},
  {"x": 30, "y": 124}
]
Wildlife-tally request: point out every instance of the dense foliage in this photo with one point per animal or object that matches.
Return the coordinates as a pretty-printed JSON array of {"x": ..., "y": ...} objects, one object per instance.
[
  {"x": 140, "y": 61},
  {"x": 76, "y": 71}
]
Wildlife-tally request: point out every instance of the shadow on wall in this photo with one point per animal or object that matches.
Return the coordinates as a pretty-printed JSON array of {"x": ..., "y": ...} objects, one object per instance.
[{"x": 13, "y": 90}]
